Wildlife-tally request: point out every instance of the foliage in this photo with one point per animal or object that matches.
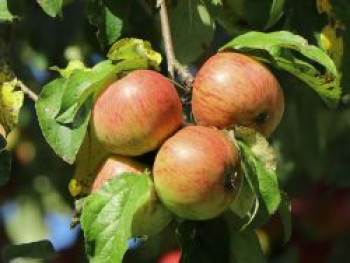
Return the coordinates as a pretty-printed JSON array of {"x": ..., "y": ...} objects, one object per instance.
[{"x": 305, "y": 43}]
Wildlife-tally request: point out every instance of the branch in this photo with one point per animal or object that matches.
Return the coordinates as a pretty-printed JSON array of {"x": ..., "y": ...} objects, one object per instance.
[
  {"x": 31, "y": 94},
  {"x": 185, "y": 76},
  {"x": 166, "y": 33},
  {"x": 173, "y": 65}
]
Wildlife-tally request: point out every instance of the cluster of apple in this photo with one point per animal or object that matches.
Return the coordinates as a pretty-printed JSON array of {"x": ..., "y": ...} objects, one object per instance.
[{"x": 196, "y": 169}]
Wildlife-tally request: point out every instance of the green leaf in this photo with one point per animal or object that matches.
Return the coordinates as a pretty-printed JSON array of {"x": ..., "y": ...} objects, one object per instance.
[
  {"x": 192, "y": 29},
  {"x": 263, "y": 181},
  {"x": 245, "y": 248},
  {"x": 5, "y": 166},
  {"x": 5, "y": 14},
  {"x": 276, "y": 12},
  {"x": 64, "y": 139},
  {"x": 108, "y": 24},
  {"x": 134, "y": 49},
  {"x": 108, "y": 215},
  {"x": 284, "y": 212},
  {"x": 293, "y": 54},
  {"x": 246, "y": 205},
  {"x": 199, "y": 241},
  {"x": 42, "y": 250},
  {"x": 79, "y": 87},
  {"x": 51, "y": 7}
]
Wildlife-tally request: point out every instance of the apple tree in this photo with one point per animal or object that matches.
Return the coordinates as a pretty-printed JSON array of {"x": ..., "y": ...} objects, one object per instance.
[{"x": 171, "y": 130}]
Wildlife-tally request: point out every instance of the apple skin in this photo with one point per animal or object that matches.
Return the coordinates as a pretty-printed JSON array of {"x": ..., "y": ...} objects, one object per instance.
[
  {"x": 171, "y": 257},
  {"x": 135, "y": 114},
  {"x": 196, "y": 173},
  {"x": 152, "y": 217},
  {"x": 115, "y": 166},
  {"x": 233, "y": 89}
]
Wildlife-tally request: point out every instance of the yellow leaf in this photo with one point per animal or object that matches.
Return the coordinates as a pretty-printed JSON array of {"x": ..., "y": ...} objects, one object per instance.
[
  {"x": 131, "y": 48},
  {"x": 71, "y": 67},
  {"x": 90, "y": 156},
  {"x": 324, "y": 6},
  {"x": 11, "y": 101},
  {"x": 332, "y": 43}
]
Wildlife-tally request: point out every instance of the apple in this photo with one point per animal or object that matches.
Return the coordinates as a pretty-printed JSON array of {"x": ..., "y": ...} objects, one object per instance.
[
  {"x": 152, "y": 217},
  {"x": 171, "y": 257},
  {"x": 196, "y": 173},
  {"x": 115, "y": 166},
  {"x": 135, "y": 114},
  {"x": 233, "y": 89}
]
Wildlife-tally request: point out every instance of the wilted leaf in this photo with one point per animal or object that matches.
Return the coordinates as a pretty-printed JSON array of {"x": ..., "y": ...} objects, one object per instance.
[
  {"x": 11, "y": 101},
  {"x": 259, "y": 146},
  {"x": 72, "y": 66},
  {"x": 134, "y": 49}
]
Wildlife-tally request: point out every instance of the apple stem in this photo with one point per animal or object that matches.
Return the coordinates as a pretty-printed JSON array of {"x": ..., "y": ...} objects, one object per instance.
[
  {"x": 185, "y": 76},
  {"x": 166, "y": 33},
  {"x": 31, "y": 94}
]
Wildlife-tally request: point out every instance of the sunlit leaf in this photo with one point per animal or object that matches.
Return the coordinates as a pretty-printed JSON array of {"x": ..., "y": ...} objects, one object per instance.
[
  {"x": 51, "y": 7},
  {"x": 11, "y": 101},
  {"x": 292, "y": 53}
]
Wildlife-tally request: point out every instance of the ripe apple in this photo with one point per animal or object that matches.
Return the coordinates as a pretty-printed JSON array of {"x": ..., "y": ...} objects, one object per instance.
[
  {"x": 151, "y": 217},
  {"x": 233, "y": 89},
  {"x": 196, "y": 173},
  {"x": 135, "y": 114},
  {"x": 171, "y": 257},
  {"x": 115, "y": 166}
]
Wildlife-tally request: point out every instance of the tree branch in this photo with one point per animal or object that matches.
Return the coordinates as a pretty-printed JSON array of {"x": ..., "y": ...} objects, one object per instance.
[
  {"x": 184, "y": 75},
  {"x": 166, "y": 33},
  {"x": 31, "y": 94},
  {"x": 173, "y": 65}
]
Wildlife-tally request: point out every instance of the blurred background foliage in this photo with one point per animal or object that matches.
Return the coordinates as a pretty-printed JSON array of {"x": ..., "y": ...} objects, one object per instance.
[{"x": 312, "y": 142}]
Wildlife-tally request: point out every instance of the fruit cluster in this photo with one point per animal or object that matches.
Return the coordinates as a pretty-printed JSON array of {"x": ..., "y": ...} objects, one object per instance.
[{"x": 196, "y": 171}]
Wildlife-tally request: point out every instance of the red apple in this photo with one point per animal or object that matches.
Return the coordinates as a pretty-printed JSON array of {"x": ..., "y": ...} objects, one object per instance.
[
  {"x": 135, "y": 114},
  {"x": 115, "y": 166},
  {"x": 196, "y": 173},
  {"x": 233, "y": 89},
  {"x": 171, "y": 257},
  {"x": 152, "y": 217}
]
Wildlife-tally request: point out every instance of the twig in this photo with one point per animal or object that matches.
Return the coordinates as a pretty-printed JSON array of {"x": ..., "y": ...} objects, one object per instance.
[
  {"x": 31, "y": 94},
  {"x": 166, "y": 33},
  {"x": 173, "y": 65},
  {"x": 185, "y": 76}
]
